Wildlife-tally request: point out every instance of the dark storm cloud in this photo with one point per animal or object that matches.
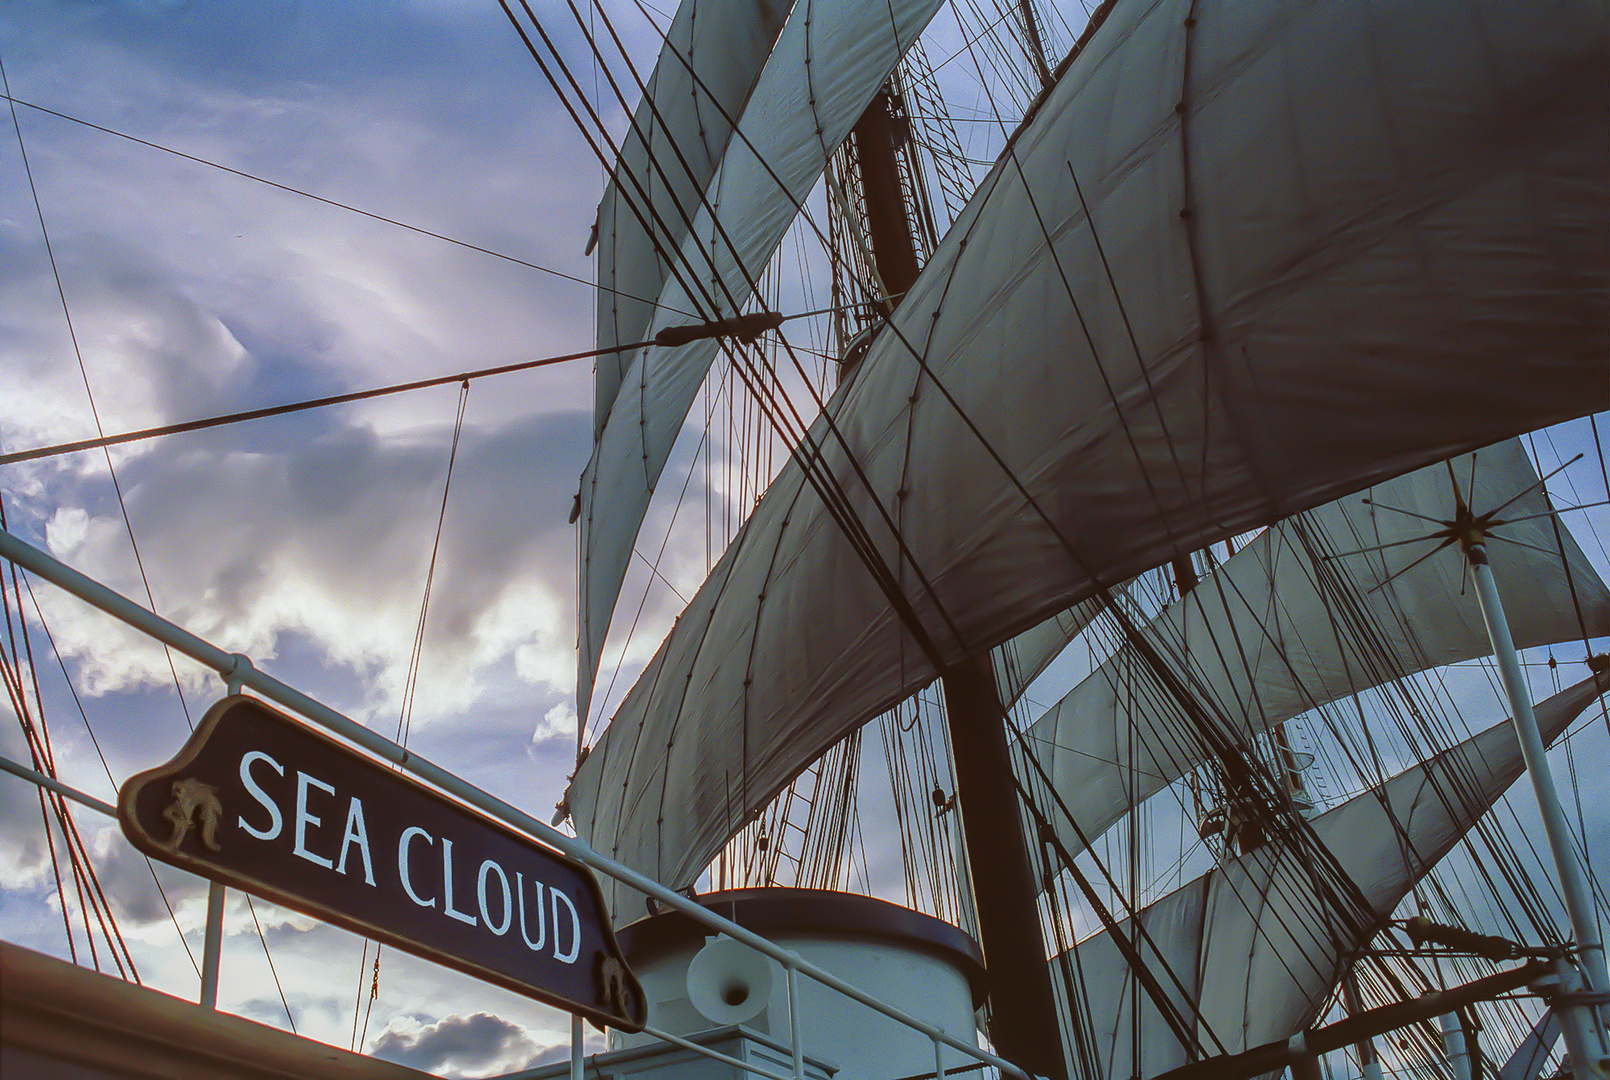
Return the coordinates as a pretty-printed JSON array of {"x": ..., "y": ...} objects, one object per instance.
[{"x": 456, "y": 1044}]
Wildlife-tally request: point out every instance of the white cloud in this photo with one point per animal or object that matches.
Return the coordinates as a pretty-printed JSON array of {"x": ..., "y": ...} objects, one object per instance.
[{"x": 559, "y": 721}]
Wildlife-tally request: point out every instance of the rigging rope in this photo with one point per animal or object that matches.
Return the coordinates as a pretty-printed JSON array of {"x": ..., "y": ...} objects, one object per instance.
[{"x": 405, "y": 717}]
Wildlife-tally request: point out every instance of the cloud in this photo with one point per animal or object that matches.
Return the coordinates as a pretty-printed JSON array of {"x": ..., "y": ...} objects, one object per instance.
[
  {"x": 477, "y": 1045},
  {"x": 331, "y": 538},
  {"x": 557, "y": 722}
]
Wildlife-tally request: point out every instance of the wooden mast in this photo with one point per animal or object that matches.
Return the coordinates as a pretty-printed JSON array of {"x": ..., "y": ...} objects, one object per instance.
[{"x": 1023, "y": 1014}]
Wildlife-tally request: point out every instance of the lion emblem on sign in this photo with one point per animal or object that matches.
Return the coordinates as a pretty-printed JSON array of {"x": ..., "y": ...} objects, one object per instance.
[
  {"x": 613, "y": 985},
  {"x": 193, "y": 799}
]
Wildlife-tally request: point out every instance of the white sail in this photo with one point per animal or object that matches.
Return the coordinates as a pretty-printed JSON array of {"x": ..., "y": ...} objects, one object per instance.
[
  {"x": 1265, "y": 638},
  {"x": 1374, "y": 248},
  {"x": 1020, "y": 660},
  {"x": 712, "y": 56},
  {"x": 829, "y": 62},
  {"x": 1248, "y": 942}
]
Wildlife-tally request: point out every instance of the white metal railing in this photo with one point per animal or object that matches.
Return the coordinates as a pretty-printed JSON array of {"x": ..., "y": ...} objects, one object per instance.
[{"x": 237, "y": 671}]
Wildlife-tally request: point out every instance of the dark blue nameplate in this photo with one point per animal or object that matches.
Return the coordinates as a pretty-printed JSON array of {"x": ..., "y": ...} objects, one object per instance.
[{"x": 267, "y": 804}]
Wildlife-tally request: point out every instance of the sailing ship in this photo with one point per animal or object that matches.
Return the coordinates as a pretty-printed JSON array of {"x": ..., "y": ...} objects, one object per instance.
[
  {"x": 1247, "y": 293},
  {"x": 1282, "y": 280}
]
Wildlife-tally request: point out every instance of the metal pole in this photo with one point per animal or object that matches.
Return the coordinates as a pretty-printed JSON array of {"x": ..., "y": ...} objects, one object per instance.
[
  {"x": 1023, "y": 1008},
  {"x": 1578, "y": 902},
  {"x": 238, "y": 667},
  {"x": 39, "y": 778},
  {"x": 576, "y": 1041},
  {"x": 796, "y": 1044},
  {"x": 1369, "y": 1065},
  {"x": 212, "y": 945}
]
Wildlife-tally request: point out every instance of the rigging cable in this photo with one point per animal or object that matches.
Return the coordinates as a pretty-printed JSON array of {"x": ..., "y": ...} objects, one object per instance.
[
  {"x": 316, "y": 198},
  {"x": 405, "y": 718},
  {"x": 86, "y": 882},
  {"x": 96, "y": 743},
  {"x": 72, "y": 334},
  {"x": 61, "y": 292}
]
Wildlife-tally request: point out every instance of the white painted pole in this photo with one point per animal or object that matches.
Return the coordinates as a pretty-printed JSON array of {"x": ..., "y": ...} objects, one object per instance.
[
  {"x": 1453, "y": 1046},
  {"x": 1578, "y": 902},
  {"x": 212, "y": 945},
  {"x": 796, "y": 1044}
]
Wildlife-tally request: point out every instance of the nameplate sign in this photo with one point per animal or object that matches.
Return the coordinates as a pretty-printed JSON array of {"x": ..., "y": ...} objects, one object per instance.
[{"x": 267, "y": 804}]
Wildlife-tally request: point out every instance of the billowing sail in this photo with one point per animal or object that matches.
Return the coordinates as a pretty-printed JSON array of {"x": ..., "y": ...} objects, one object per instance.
[
  {"x": 712, "y": 56},
  {"x": 1273, "y": 634},
  {"x": 828, "y": 64},
  {"x": 1339, "y": 262},
  {"x": 1254, "y": 954}
]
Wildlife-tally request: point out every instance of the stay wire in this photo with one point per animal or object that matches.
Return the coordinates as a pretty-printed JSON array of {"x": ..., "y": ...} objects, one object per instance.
[
  {"x": 5, "y": 85},
  {"x": 14, "y": 691},
  {"x": 61, "y": 292},
  {"x": 642, "y": 206},
  {"x": 411, "y": 681},
  {"x": 405, "y": 716},
  {"x": 95, "y": 742},
  {"x": 301, "y": 406},
  {"x": 316, "y": 198},
  {"x": 86, "y": 882}
]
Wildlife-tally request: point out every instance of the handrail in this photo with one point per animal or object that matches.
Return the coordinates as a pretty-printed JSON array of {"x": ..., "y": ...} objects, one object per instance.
[
  {"x": 236, "y": 668},
  {"x": 53, "y": 784}
]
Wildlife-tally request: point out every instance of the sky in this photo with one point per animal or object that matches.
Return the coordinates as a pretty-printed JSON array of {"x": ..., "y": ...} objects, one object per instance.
[{"x": 303, "y": 540}]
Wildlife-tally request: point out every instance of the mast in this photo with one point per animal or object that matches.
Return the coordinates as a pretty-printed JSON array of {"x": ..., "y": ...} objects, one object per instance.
[
  {"x": 1024, "y": 1025},
  {"x": 1583, "y": 1023}
]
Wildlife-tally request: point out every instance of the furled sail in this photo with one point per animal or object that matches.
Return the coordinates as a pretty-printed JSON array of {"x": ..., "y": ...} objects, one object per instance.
[
  {"x": 1338, "y": 262},
  {"x": 828, "y": 64},
  {"x": 712, "y": 56},
  {"x": 1272, "y": 634},
  {"x": 1254, "y": 954}
]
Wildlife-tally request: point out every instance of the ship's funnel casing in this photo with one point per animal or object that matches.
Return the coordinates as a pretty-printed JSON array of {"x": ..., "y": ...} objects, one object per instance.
[{"x": 913, "y": 962}]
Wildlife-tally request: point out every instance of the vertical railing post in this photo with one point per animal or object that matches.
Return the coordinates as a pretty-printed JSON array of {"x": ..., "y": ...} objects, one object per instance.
[
  {"x": 939, "y": 1057},
  {"x": 796, "y": 1045},
  {"x": 577, "y": 1039},
  {"x": 212, "y": 945}
]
